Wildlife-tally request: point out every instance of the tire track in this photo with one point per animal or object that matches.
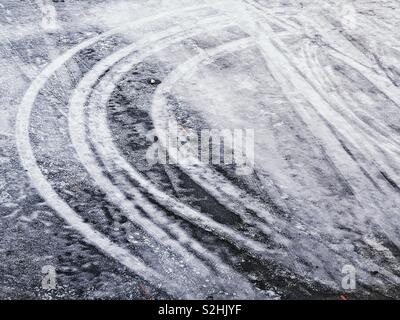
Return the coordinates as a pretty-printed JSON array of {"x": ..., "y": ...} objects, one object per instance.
[
  {"x": 201, "y": 174},
  {"x": 380, "y": 142},
  {"x": 47, "y": 192},
  {"x": 281, "y": 63},
  {"x": 77, "y": 130}
]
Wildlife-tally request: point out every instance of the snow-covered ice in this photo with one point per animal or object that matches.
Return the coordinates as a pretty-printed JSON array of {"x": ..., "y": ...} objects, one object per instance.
[{"x": 86, "y": 86}]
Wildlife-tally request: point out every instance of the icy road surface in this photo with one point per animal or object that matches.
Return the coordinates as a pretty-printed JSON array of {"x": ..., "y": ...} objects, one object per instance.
[{"x": 84, "y": 83}]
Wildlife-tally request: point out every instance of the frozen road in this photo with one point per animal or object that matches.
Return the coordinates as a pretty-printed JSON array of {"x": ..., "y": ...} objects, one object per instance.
[{"x": 85, "y": 86}]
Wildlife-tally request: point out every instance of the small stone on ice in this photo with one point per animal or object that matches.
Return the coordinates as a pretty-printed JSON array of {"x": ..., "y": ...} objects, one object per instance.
[{"x": 153, "y": 81}]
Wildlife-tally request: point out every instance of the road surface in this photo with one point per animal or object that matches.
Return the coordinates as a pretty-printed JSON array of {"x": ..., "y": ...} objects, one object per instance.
[{"x": 89, "y": 87}]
